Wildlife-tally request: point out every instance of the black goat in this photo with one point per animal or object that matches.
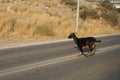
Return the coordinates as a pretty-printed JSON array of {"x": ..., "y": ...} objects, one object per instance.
[{"x": 83, "y": 42}]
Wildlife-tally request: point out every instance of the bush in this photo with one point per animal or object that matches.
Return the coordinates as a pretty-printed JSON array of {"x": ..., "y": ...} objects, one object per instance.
[
  {"x": 89, "y": 13},
  {"x": 111, "y": 17},
  {"x": 83, "y": 15},
  {"x": 69, "y": 2},
  {"x": 11, "y": 22},
  {"x": 106, "y": 4},
  {"x": 118, "y": 10},
  {"x": 44, "y": 30}
]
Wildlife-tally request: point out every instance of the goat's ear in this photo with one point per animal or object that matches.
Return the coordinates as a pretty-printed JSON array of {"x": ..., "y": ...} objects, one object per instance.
[
  {"x": 75, "y": 32},
  {"x": 71, "y": 33}
]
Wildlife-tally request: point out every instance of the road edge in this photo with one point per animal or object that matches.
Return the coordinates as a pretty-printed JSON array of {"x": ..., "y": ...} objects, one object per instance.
[{"x": 46, "y": 42}]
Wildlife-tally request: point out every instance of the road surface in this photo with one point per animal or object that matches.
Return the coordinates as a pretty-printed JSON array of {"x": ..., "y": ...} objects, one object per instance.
[{"x": 60, "y": 61}]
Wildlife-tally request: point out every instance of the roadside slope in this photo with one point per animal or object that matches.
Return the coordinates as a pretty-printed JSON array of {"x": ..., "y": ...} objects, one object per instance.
[{"x": 44, "y": 19}]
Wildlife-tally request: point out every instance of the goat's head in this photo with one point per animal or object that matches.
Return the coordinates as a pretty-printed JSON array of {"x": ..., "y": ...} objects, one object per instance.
[{"x": 71, "y": 35}]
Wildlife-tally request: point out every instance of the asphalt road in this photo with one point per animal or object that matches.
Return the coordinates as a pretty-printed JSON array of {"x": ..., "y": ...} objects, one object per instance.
[{"x": 60, "y": 61}]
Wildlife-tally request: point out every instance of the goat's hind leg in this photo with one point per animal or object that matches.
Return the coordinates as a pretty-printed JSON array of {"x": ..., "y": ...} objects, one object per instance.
[{"x": 92, "y": 50}]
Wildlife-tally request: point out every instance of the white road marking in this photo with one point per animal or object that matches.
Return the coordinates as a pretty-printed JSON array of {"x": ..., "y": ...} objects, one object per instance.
[
  {"x": 36, "y": 65},
  {"x": 49, "y": 62},
  {"x": 108, "y": 48}
]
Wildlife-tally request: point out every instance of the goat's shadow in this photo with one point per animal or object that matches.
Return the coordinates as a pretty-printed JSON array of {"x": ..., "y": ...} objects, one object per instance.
[{"x": 84, "y": 49}]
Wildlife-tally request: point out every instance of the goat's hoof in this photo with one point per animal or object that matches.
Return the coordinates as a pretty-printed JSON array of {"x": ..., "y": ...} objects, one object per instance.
[
  {"x": 79, "y": 54},
  {"x": 85, "y": 55},
  {"x": 91, "y": 54}
]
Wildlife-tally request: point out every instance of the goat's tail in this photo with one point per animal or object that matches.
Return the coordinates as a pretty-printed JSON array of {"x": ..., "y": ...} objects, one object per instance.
[{"x": 98, "y": 41}]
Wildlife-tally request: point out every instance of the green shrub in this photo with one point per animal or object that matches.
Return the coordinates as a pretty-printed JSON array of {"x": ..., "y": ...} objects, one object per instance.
[
  {"x": 106, "y": 4},
  {"x": 107, "y": 1},
  {"x": 12, "y": 23},
  {"x": 44, "y": 30}
]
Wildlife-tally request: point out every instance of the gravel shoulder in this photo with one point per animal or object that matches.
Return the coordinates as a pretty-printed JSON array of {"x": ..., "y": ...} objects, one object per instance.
[{"x": 5, "y": 42}]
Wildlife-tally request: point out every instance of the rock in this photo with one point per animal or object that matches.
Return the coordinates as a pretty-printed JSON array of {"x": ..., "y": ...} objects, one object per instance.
[
  {"x": 36, "y": 4},
  {"x": 9, "y": 9},
  {"x": 4, "y": 1},
  {"x": 24, "y": 2},
  {"x": 29, "y": 3}
]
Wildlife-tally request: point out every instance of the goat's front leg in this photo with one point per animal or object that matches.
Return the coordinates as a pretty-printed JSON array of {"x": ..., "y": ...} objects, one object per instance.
[{"x": 81, "y": 50}]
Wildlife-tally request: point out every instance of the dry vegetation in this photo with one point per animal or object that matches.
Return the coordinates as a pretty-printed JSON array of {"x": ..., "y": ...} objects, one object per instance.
[{"x": 46, "y": 19}]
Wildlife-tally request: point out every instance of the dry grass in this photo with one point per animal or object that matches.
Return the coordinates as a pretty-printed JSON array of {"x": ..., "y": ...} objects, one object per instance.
[
  {"x": 96, "y": 27},
  {"x": 27, "y": 22}
]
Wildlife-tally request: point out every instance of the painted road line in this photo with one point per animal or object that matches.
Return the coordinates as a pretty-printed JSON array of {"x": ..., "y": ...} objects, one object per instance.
[
  {"x": 36, "y": 65},
  {"x": 49, "y": 62}
]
